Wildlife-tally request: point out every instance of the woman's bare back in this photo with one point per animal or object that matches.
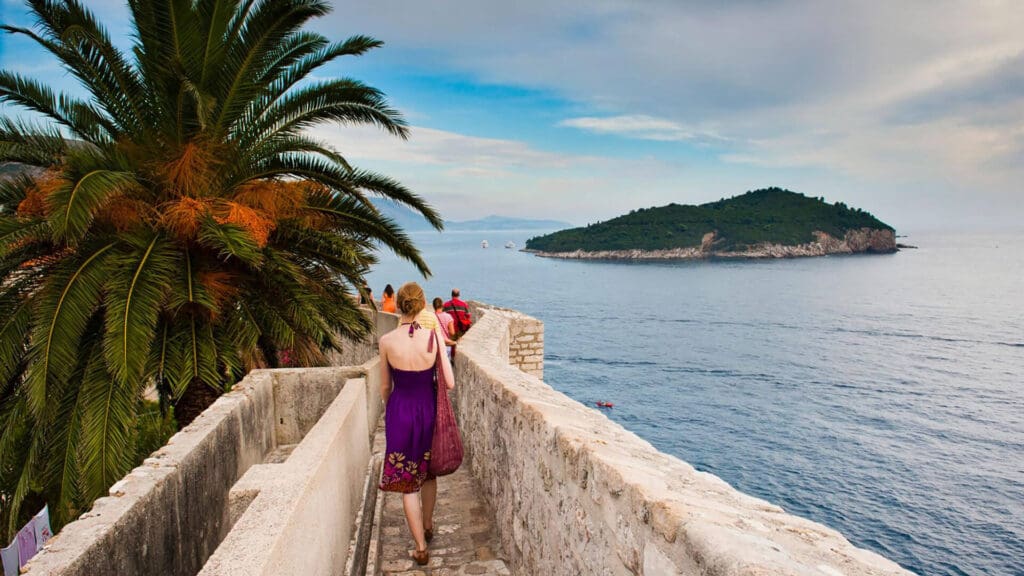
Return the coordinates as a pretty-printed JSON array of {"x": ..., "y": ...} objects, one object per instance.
[{"x": 409, "y": 353}]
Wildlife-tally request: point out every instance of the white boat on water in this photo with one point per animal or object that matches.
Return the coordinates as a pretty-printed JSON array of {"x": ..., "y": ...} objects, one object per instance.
[
  {"x": 510, "y": 245},
  {"x": 484, "y": 244}
]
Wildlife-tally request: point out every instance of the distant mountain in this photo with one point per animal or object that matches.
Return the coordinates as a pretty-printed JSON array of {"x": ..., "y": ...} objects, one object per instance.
[
  {"x": 504, "y": 223},
  {"x": 412, "y": 222},
  {"x": 407, "y": 219},
  {"x": 768, "y": 223},
  {"x": 11, "y": 168}
]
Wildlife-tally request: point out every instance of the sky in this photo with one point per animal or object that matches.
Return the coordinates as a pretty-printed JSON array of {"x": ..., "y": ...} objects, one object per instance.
[{"x": 584, "y": 110}]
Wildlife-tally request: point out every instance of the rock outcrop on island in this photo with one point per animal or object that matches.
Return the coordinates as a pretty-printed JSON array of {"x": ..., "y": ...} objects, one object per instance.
[{"x": 769, "y": 223}]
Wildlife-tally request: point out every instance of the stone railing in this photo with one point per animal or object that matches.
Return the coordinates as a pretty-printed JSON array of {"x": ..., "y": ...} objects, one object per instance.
[
  {"x": 296, "y": 516},
  {"x": 281, "y": 459},
  {"x": 578, "y": 494}
]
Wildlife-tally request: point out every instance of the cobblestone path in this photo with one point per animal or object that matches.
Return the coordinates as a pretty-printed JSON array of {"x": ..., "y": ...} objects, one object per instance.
[{"x": 464, "y": 538}]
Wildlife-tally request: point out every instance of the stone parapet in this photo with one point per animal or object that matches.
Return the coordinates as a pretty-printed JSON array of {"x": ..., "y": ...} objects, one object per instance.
[
  {"x": 168, "y": 515},
  {"x": 575, "y": 493},
  {"x": 279, "y": 460},
  {"x": 301, "y": 512}
]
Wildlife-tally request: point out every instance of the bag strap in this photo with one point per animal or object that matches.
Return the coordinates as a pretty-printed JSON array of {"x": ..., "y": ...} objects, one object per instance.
[{"x": 438, "y": 370}]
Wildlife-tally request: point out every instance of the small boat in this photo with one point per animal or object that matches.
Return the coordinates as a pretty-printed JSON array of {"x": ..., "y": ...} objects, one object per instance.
[
  {"x": 602, "y": 404},
  {"x": 510, "y": 244},
  {"x": 484, "y": 244}
]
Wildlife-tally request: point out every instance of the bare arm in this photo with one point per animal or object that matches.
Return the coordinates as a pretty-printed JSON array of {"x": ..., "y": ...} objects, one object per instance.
[
  {"x": 385, "y": 373},
  {"x": 446, "y": 365},
  {"x": 449, "y": 329}
]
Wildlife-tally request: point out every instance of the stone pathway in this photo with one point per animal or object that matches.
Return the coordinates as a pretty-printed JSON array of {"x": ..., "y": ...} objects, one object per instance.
[{"x": 464, "y": 543}]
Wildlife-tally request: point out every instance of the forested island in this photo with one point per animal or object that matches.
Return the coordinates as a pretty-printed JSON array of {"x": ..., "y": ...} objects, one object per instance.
[{"x": 766, "y": 223}]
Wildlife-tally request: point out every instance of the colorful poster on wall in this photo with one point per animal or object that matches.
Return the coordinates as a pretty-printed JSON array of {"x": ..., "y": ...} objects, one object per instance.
[
  {"x": 9, "y": 556},
  {"x": 26, "y": 543},
  {"x": 41, "y": 526}
]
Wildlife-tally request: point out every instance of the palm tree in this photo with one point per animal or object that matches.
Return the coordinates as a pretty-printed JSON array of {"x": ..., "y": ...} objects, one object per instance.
[{"x": 178, "y": 227}]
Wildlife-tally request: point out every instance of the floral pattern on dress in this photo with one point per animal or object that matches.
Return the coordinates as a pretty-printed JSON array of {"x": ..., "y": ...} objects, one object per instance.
[{"x": 404, "y": 475}]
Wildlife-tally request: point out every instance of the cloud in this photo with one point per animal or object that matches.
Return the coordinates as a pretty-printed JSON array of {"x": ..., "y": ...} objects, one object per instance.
[
  {"x": 433, "y": 147},
  {"x": 905, "y": 96},
  {"x": 639, "y": 126},
  {"x": 873, "y": 99},
  {"x": 466, "y": 176}
]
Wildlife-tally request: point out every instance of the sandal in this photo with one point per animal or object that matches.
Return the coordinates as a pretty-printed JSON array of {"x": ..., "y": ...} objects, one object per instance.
[
  {"x": 421, "y": 557},
  {"x": 428, "y": 534}
]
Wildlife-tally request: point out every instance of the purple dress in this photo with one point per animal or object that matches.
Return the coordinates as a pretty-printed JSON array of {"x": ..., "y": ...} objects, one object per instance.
[{"x": 409, "y": 429}]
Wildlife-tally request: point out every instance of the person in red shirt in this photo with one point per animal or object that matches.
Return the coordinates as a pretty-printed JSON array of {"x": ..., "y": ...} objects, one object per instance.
[{"x": 460, "y": 314}]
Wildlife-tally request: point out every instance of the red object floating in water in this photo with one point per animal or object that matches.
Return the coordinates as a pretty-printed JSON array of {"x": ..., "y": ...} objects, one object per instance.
[{"x": 605, "y": 405}]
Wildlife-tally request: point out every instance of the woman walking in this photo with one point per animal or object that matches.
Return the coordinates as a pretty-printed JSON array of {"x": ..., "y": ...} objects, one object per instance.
[
  {"x": 408, "y": 361},
  {"x": 447, "y": 325}
]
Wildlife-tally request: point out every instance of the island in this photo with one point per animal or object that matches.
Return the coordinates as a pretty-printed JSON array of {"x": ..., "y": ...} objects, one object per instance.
[{"x": 766, "y": 223}]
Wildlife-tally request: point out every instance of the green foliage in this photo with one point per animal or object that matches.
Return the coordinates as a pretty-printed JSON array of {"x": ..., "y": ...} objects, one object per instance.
[
  {"x": 153, "y": 428},
  {"x": 175, "y": 228},
  {"x": 770, "y": 215}
]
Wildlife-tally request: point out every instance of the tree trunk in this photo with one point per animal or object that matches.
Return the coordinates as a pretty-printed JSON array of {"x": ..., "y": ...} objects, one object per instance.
[{"x": 196, "y": 398}]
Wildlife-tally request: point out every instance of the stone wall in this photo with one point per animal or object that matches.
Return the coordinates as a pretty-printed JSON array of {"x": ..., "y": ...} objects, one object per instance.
[
  {"x": 169, "y": 515},
  {"x": 521, "y": 343},
  {"x": 578, "y": 494},
  {"x": 526, "y": 345},
  {"x": 299, "y": 514},
  {"x": 354, "y": 352}
]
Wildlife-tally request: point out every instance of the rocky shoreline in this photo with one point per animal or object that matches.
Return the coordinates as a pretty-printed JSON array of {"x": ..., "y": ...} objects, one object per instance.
[{"x": 860, "y": 241}]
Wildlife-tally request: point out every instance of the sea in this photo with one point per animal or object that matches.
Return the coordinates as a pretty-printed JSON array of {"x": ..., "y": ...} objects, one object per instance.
[{"x": 881, "y": 395}]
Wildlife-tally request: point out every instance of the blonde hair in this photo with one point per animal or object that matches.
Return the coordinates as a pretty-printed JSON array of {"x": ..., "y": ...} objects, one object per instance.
[{"x": 410, "y": 299}]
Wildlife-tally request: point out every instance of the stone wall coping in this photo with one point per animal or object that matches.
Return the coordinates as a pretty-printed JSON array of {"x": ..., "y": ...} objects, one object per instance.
[
  {"x": 66, "y": 550},
  {"x": 113, "y": 521},
  {"x": 258, "y": 542}
]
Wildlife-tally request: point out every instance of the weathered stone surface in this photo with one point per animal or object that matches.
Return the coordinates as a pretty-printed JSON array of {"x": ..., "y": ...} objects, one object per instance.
[
  {"x": 169, "y": 515},
  {"x": 312, "y": 498},
  {"x": 464, "y": 532},
  {"x": 578, "y": 494},
  {"x": 173, "y": 510}
]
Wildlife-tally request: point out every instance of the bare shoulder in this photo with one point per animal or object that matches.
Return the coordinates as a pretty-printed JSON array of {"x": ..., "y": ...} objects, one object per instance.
[{"x": 386, "y": 339}]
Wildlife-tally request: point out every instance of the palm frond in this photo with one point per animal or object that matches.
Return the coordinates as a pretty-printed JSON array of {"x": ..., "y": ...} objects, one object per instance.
[
  {"x": 73, "y": 34},
  {"x": 393, "y": 190},
  {"x": 135, "y": 295},
  {"x": 288, "y": 77},
  {"x": 108, "y": 414},
  {"x": 63, "y": 471},
  {"x": 341, "y": 100},
  {"x": 74, "y": 204},
  {"x": 190, "y": 355},
  {"x": 230, "y": 241},
  {"x": 61, "y": 310},
  {"x": 263, "y": 28},
  {"x": 30, "y": 144},
  {"x": 84, "y": 120}
]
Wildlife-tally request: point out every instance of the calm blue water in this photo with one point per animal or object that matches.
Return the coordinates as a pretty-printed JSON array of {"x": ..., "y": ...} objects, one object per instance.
[{"x": 879, "y": 395}]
